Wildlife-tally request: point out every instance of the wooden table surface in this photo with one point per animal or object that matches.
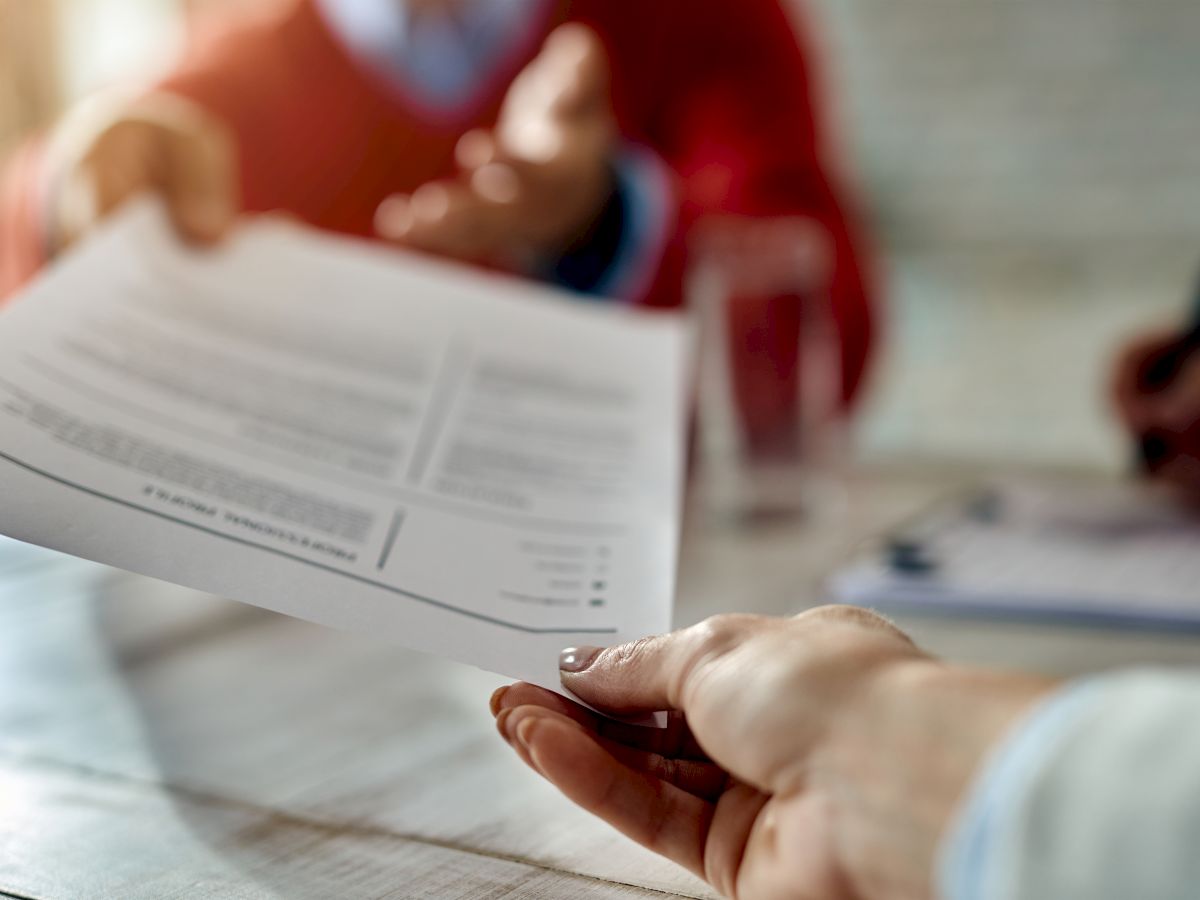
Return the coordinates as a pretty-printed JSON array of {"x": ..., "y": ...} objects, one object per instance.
[{"x": 160, "y": 743}]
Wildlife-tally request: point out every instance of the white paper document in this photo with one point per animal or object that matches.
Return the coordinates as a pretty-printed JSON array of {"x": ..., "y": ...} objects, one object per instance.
[
  {"x": 1098, "y": 553},
  {"x": 477, "y": 466}
]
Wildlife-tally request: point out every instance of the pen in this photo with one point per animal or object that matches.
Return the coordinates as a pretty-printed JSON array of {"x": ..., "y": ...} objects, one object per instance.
[
  {"x": 1154, "y": 445},
  {"x": 909, "y": 549}
]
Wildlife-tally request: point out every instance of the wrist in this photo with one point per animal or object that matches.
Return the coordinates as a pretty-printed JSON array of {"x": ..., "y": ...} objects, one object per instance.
[
  {"x": 594, "y": 245},
  {"x": 598, "y": 196},
  {"x": 899, "y": 759}
]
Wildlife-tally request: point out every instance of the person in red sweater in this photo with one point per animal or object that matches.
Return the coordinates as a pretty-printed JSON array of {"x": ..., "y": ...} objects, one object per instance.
[{"x": 576, "y": 142}]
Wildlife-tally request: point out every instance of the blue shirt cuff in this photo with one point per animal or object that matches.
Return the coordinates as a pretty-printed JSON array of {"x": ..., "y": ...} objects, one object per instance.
[
  {"x": 967, "y": 861},
  {"x": 620, "y": 257}
]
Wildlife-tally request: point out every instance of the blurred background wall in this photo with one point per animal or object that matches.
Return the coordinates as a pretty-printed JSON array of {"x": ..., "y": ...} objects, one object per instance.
[
  {"x": 1032, "y": 172},
  {"x": 1029, "y": 169}
]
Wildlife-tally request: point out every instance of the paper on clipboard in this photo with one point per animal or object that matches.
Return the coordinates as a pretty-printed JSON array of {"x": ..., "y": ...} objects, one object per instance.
[{"x": 1091, "y": 552}]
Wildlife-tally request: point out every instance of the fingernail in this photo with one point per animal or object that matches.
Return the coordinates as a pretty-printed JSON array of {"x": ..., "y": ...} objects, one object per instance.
[
  {"x": 577, "y": 659},
  {"x": 523, "y": 735},
  {"x": 394, "y": 216},
  {"x": 502, "y": 718},
  {"x": 517, "y": 734},
  {"x": 497, "y": 699}
]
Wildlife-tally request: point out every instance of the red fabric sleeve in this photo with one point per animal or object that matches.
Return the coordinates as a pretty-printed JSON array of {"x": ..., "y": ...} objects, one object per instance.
[
  {"x": 731, "y": 110},
  {"x": 246, "y": 74},
  {"x": 319, "y": 135},
  {"x": 22, "y": 219}
]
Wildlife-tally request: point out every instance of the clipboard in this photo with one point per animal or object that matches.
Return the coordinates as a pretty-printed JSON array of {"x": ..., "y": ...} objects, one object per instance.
[{"x": 1101, "y": 553}]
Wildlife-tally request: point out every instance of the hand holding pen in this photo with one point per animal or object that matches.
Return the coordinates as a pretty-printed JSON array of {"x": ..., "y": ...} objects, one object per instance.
[{"x": 1156, "y": 390}]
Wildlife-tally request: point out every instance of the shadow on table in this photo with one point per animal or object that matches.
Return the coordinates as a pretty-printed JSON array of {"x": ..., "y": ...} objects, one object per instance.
[{"x": 306, "y": 759}]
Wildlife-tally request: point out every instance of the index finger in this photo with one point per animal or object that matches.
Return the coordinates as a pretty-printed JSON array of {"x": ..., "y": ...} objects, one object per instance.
[
  {"x": 675, "y": 740},
  {"x": 660, "y": 816},
  {"x": 580, "y": 68}
]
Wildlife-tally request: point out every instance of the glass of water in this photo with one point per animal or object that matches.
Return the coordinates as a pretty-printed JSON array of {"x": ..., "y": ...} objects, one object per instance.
[{"x": 770, "y": 423}]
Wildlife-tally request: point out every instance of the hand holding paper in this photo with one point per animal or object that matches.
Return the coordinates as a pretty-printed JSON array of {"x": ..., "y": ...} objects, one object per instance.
[{"x": 351, "y": 436}]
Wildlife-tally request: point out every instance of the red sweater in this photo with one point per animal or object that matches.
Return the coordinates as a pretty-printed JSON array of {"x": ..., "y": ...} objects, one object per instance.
[{"x": 718, "y": 89}]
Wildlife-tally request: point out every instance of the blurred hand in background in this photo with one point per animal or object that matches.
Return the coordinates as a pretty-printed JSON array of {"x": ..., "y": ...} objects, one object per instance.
[
  {"x": 534, "y": 184},
  {"x": 530, "y": 187},
  {"x": 109, "y": 150},
  {"x": 567, "y": 142},
  {"x": 1156, "y": 392}
]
